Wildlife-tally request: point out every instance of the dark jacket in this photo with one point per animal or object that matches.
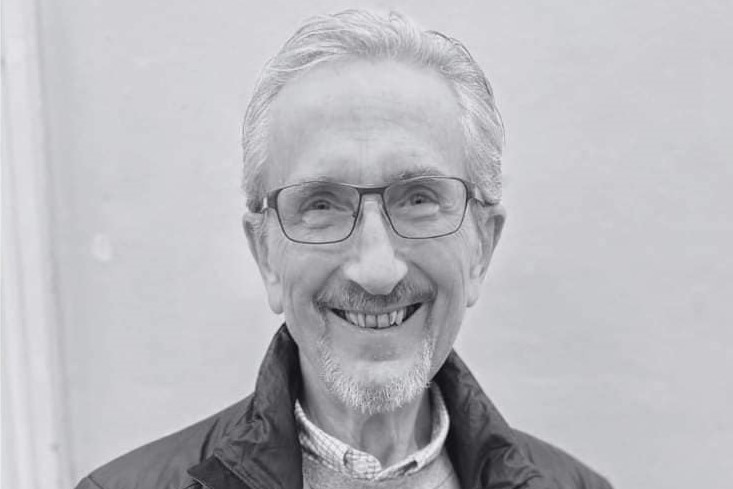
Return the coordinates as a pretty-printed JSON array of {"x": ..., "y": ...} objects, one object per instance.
[{"x": 253, "y": 444}]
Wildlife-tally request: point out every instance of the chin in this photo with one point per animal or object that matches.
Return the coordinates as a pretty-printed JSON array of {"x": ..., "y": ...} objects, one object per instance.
[{"x": 380, "y": 390}]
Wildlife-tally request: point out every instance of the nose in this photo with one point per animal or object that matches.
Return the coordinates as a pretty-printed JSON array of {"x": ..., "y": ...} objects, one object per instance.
[{"x": 374, "y": 265}]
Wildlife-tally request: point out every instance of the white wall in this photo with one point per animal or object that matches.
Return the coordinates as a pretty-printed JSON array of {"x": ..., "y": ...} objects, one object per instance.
[{"x": 605, "y": 325}]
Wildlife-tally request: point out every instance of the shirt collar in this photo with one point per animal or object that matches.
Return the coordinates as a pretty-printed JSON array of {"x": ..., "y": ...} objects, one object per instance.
[{"x": 347, "y": 460}]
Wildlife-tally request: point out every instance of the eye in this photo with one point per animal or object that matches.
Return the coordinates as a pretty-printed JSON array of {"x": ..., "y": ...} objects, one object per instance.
[
  {"x": 318, "y": 205},
  {"x": 323, "y": 202},
  {"x": 420, "y": 198}
]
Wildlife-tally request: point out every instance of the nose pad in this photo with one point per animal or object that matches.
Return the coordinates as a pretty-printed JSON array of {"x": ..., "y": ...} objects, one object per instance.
[{"x": 374, "y": 264}]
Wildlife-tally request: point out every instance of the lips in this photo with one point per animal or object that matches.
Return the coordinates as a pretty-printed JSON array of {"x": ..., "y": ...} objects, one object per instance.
[{"x": 382, "y": 320}]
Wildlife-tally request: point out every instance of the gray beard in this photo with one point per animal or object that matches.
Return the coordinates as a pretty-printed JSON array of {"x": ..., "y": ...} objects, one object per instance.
[{"x": 373, "y": 398}]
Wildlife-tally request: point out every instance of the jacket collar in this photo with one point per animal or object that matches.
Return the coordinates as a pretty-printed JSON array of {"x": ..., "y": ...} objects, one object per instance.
[{"x": 262, "y": 451}]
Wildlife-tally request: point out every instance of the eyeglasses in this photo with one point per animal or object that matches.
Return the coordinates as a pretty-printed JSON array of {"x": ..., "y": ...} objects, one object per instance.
[{"x": 416, "y": 208}]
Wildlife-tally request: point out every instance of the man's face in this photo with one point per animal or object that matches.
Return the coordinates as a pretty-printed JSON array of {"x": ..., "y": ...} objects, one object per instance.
[{"x": 370, "y": 123}]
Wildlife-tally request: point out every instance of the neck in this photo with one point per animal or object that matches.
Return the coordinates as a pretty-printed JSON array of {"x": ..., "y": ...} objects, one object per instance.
[{"x": 388, "y": 436}]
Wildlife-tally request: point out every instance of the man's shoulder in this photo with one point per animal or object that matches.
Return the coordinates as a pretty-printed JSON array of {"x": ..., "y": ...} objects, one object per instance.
[
  {"x": 164, "y": 463},
  {"x": 562, "y": 468}
]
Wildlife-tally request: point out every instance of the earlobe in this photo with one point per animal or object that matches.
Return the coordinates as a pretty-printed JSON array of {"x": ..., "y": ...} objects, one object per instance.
[
  {"x": 490, "y": 224},
  {"x": 275, "y": 298},
  {"x": 472, "y": 291},
  {"x": 260, "y": 252}
]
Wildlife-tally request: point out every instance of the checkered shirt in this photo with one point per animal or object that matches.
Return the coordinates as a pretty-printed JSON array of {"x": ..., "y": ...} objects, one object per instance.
[{"x": 340, "y": 457}]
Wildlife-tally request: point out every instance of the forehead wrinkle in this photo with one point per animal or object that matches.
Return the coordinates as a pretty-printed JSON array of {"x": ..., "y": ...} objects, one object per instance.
[
  {"x": 359, "y": 122},
  {"x": 344, "y": 140},
  {"x": 361, "y": 115},
  {"x": 354, "y": 157}
]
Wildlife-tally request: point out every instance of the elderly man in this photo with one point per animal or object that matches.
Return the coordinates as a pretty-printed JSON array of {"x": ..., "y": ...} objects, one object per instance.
[{"x": 372, "y": 173}]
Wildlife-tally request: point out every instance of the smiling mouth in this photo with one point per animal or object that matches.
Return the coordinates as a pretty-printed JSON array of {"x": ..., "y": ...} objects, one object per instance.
[{"x": 378, "y": 321}]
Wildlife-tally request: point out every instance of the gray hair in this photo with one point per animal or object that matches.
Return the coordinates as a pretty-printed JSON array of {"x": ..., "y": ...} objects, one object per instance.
[{"x": 363, "y": 34}]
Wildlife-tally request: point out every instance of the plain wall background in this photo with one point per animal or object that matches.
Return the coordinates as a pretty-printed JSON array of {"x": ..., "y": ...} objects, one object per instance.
[{"x": 605, "y": 324}]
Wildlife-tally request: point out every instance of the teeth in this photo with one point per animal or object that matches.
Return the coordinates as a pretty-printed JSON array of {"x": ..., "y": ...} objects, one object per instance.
[
  {"x": 376, "y": 321},
  {"x": 400, "y": 316}
]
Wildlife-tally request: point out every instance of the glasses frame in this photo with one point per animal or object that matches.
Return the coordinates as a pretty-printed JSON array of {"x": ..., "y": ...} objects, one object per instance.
[{"x": 269, "y": 202}]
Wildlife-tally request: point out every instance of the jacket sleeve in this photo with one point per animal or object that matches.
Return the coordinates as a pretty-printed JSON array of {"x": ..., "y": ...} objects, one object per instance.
[{"x": 565, "y": 470}]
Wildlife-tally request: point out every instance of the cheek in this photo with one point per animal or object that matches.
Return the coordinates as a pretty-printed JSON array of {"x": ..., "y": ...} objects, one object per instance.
[
  {"x": 447, "y": 262},
  {"x": 303, "y": 272},
  {"x": 302, "y": 277}
]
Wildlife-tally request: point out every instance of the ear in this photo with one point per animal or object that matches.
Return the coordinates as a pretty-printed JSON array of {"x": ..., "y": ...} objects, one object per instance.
[
  {"x": 489, "y": 224},
  {"x": 257, "y": 242}
]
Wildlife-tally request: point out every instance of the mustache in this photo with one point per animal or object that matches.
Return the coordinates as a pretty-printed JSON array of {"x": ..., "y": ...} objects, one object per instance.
[{"x": 351, "y": 296}]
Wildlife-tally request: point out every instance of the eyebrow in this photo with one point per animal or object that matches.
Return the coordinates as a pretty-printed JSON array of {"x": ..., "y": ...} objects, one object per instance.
[{"x": 420, "y": 171}]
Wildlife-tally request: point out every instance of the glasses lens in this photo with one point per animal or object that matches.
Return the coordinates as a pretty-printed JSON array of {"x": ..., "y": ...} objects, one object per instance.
[
  {"x": 317, "y": 212},
  {"x": 426, "y": 207}
]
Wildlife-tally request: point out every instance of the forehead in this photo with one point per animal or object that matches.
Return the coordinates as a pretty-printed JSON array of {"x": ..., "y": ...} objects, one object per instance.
[{"x": 364, "y": 122}]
